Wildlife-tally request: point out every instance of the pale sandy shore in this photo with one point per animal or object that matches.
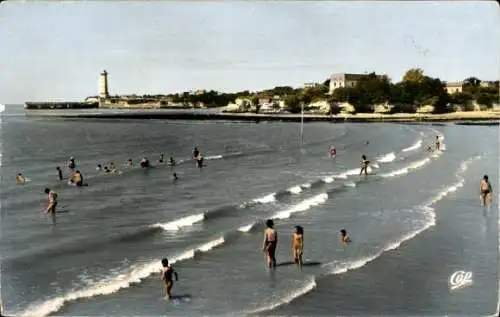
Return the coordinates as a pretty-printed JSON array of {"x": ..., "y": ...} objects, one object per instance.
[{"x": 469, "y": 116}]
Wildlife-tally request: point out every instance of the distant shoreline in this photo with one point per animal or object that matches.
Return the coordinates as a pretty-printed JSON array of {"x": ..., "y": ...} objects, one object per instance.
[{"x": 472, "y": 117}]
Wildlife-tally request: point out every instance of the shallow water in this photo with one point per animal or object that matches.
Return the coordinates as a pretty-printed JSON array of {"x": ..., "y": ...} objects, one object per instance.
[{"x": 102, "y": 256}]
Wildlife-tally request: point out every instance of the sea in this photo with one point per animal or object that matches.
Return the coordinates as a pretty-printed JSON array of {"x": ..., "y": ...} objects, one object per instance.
[{"x": 421, "y": 242}]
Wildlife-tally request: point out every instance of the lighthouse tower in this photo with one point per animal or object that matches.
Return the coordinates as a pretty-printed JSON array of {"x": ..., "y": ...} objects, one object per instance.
[{"x": 103, "y": 85}]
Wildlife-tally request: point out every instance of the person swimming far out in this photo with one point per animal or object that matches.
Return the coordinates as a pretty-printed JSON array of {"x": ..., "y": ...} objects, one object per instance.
[
  {"x": 332, "y": 151},
  {"x": 344, "y": 238},
  {"x": 270, "y": 243},
  {"x": 486, "y": 191},
  {"x": 364, "y": 165},
  {"x": 129, "y": 163},
  {"x": 99, "y": 167},
  {"x": 59, "y": 173},
  {"x": 167, "y": 273},
  {"x": 298, "y": 245},
  {"x": 144, "y": 162},
  {"x": 20, "y": 179}
]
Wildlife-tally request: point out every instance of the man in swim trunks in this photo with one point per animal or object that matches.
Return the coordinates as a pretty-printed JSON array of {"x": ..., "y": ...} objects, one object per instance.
[
  {"x": 298, "y": 245},
  {"x": 344, "y": 238},
  {"x": 486, "y": 191},
  {"x": 166, "y": 275},
  {"x": 51, "y": 203},
  {"x": 270, "y": 243},
  {"x": 364, "y": 165}
]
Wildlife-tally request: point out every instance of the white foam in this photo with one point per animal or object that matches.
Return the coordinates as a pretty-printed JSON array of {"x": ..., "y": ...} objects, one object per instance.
[
  {"x": 407, "y": 169},
  {"x": 265, "y": 199},
  {"x": 213, "y": 157},
  {"x": 295, "y": 190},
  {"x": 387, "y": 158},
  {"x": 306, "y": 288},
  {"x": 328, "y": 179},
  {"x": 247, "y": 228},
  {"x": 182, "y": 222},
  {"x": 302, "y": 206},
  {"x": 2, "y": 108},
  {"x": 113, "y": 284},
  {"x": 350, "y": 184},
  {"x": 414, "y": 147},
  {"x": 306, "y": 185}
]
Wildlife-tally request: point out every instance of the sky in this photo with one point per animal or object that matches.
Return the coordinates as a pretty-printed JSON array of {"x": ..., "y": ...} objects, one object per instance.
[{"x": 53, "y": 51}]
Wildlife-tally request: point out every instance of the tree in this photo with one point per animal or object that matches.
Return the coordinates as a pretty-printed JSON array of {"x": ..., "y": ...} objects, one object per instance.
[
  {"x": 415, "y": 75},
  {"x": 472, "y": 81},
  {"x": 485, "y": 100},
  {"x": 292, "y": 103}
]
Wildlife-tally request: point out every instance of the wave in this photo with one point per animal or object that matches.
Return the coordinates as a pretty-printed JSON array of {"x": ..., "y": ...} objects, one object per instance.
[
  {"x": 337, "y": 267},
  {"x": 387, "y": 158},
  {"x": 407, "y": 169},
  {"x": 180, "y": 223},
  {"x": 413, "y": 147},
  {"x": 269, "y": 198},
  {"x": 116, "y": 282}
]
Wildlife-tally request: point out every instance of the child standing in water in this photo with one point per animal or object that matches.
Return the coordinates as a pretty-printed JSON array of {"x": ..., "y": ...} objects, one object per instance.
[
  {"x": 298, "y": 245},
  {"x": 269, "y": 244},
  {"x": 167, "y": 272}
]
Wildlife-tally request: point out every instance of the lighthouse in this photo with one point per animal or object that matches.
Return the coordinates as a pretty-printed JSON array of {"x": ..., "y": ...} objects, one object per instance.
[{"x": 103, "y": 85}]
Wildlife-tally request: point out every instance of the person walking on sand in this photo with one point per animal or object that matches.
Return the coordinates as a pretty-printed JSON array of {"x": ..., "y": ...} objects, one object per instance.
[
  {"x": 486, "y": 191},
  {"x": 270, "y": 243},
  {"x": 298, "y": 245},
  {"x": 167, "y": 273},
  {"x": 51, "y": 204}
]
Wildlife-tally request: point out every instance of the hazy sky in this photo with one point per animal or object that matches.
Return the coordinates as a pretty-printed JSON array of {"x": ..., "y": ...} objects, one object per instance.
[{"x": 55, "y": 50}]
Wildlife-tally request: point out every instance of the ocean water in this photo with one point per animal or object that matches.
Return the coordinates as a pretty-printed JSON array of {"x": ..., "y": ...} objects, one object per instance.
[{"x": 414, "y": 221}]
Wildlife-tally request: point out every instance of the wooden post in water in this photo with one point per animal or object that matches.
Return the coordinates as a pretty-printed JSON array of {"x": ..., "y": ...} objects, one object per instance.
[{"x": 302, "y": 125}]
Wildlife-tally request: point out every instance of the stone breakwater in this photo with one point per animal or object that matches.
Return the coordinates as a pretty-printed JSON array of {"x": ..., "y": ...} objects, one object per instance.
[{"x": 459, "y": 117}]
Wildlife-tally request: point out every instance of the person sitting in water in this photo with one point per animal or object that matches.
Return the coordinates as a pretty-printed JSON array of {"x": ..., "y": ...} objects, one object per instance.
[
  {"x": 77, "y": 178},
  {"x": 20, "y": 179},
  {"x": 298, "y": 245},
  {"x": 270, "y": 243},
  {"x": 344, "y": 238},
  {"x": 486, "y": 191},
  {"x": 364, "y": 165},
  {"x": 332, "y": 152},
  {"x": 129, "y": 163},
  {"x": 167, "y": 273},
  {"x": 71, "y": 163},
  {"x": 144, "y": 162}
]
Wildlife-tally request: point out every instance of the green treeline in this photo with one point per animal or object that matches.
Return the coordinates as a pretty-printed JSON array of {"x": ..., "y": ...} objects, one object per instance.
[{"x": 412, "y": 92}]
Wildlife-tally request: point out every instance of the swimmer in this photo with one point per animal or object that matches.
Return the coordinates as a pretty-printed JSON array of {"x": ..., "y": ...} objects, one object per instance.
[
  {"x": 160, "y": 160},
  {"x": 167, "y": 272},
  {"x": 364, "y": 165},
  {"x": 59, "y": 173},
  {"x": 298, "y": 245},
  {"x": 77, "y": 178},
  {"x": 344, "y": 238},
  {"x": 71, "y": 163},
  {"x": 112, "y": 166},
  {"x": 106, "y": 170},
  {"x": 486, "y": 191},
  {"x": 20, "y": 179},
  {"x": 429, "y": 148},
  {"x": 438, "y": 143},
  {"x": 174, "y": 177},
  {"x": 51, "y": 204},
  {"x": 99, "y": 167},
  {"x": 270, "y": 243}
]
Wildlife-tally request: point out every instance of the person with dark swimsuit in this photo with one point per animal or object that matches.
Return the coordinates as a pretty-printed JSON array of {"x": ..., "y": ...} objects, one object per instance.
[
  {"x": 270, "y": 243},
  {"x": 167, "y": 273},
  {"x": 59, "y": 173},
  {"x": 71, "y": 163},
  {"x": 196, "y": 152},
  {"x": 364, "y": 165},
  {"x": 144, "y": 162},
  {"x": 438, "y": 144},
  {"x": 486, "y": 191}
]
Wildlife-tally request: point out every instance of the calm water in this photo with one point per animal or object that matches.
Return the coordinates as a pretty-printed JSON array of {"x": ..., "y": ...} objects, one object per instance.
[{"x": 102, "y": 256}]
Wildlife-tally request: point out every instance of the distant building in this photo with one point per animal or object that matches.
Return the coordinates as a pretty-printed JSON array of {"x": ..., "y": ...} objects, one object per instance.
[
  {"x": 488, "y": 84},
  {"x": 199, "y": 92},
  {"x": 344, "y": 80},
  {"x": 454, "y": 87},
  {"x": 310, "y": 85},
  {"x": 103, "y": 85}
]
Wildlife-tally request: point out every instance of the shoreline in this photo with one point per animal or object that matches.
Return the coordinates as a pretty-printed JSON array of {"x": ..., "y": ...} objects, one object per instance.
[{"x": 472, "y": 117}]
